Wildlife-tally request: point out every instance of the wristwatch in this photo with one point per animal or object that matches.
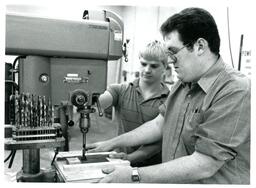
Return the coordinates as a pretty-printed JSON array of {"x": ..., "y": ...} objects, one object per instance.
[{"x": 135, "y": 175}]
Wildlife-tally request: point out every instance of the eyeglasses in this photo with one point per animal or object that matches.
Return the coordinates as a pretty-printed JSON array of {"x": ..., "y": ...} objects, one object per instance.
[{"x": 172, "y": 54}]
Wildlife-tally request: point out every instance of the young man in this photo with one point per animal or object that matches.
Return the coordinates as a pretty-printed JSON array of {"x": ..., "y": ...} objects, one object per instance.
[
  {"x": 138, "y": 102},
  {"x": 205, "y": 127}
]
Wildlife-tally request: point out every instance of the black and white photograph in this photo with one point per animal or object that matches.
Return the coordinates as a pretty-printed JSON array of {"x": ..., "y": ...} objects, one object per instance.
[{"x": 132, "y": 93}]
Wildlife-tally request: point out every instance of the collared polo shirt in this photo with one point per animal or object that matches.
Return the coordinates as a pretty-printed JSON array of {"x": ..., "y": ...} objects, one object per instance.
[
  {"x": 133, "y": 110},
  {"x": 212, "y": 117}
]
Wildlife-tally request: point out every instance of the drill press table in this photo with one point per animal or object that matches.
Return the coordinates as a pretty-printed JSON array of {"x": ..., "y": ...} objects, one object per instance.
[{"x": 70, "y": 167}]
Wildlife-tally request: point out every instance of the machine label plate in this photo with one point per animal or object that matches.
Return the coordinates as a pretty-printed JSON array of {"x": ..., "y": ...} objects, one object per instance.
[{"x": 75, "y": 79}]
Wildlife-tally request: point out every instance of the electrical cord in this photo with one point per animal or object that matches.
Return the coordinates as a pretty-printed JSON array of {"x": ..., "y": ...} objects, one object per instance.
[
  {"x": 240, "y": 52},
  {"x": 12, "y": 158},
  {"x": 230, "y": 51},
  {"x": 7, "y": 158},
  {"x": 55, "y": 154},
  {"x": 13, "y": 73}
]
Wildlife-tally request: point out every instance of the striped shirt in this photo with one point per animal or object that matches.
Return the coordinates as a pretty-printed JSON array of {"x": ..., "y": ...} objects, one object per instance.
[{"x": 132, "y": 109}]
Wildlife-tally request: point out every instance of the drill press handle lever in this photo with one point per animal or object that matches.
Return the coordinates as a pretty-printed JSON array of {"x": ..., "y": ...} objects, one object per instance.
[{"x": 98, "y": 106}]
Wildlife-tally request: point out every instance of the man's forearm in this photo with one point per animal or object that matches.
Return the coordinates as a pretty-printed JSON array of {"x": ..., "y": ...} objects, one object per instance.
[
  {"x": 147, "y": 133},
  {"x": 144, "y": 152},
  {"x": 182, "y": 170},
  {"x": 105, "y": 100}
]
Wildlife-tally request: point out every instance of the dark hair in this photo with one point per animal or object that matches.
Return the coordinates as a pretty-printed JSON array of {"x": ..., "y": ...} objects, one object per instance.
[{"x": 191, "y": 24}]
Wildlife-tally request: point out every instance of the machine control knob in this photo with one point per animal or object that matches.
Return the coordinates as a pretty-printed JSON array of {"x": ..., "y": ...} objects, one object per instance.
[
  {"x": 71, "y": 123},
  {"x": 79, "y": 98},
  {"x": 44, "y": 78}
]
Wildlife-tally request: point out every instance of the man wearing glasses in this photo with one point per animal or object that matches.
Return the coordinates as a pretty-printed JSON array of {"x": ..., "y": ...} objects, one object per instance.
[{"x": 205, "y": 122}]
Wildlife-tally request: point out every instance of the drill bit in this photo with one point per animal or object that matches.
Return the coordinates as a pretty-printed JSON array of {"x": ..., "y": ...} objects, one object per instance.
[{"x": 22, "y": 106}]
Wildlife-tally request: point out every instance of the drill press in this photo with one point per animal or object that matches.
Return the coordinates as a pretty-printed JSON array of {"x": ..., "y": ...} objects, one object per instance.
[
  {"x": 64, "y": 61},
  {"x": 77, "y": 166},
  {"x": 84, "y": 103}
]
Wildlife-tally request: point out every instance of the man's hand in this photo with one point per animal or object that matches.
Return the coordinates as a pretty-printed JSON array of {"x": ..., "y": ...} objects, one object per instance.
[
  {"x": 117, "y": 174},
  {"x": 100, "y": 146},
  {"x": 120, "y": 155}
]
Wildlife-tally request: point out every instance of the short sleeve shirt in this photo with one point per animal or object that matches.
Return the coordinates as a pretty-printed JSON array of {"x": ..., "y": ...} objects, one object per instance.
[
  {"x": 212, "y": 117},
  {"x": 133, "y": 110}
]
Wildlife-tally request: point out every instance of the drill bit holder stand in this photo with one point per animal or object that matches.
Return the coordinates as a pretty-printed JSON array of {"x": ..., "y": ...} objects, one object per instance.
[
  {"x": 32, "y": 129},
  {"x": 30, "y": 143}
]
